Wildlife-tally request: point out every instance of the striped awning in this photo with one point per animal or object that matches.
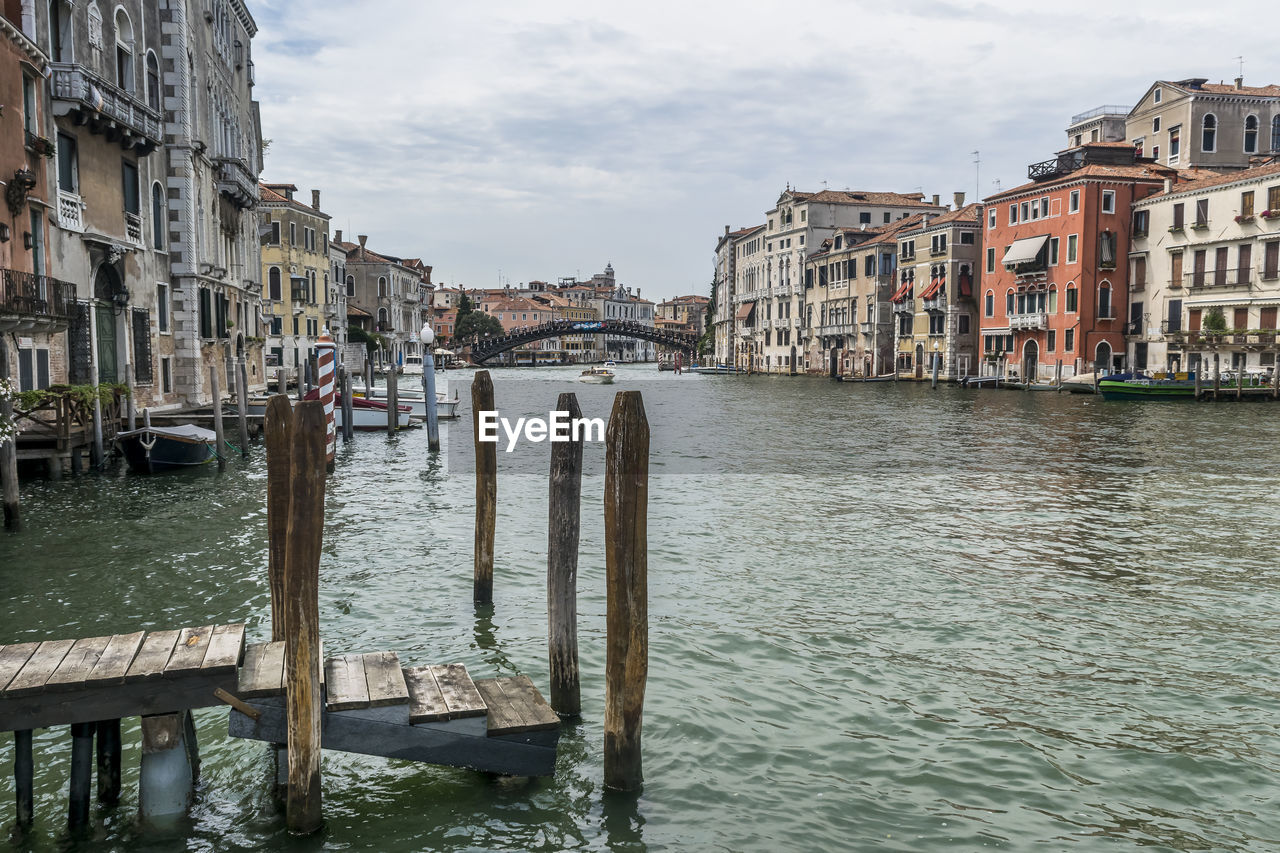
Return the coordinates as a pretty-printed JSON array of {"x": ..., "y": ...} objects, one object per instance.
[
  {"x": 934, "y": 286},
  {"x": 1024, "y": 251},
  {"x": 902, "y": 292}
]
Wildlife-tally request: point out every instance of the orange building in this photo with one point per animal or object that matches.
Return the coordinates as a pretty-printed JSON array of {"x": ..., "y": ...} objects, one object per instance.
[{"x": 1054, "y": 271}]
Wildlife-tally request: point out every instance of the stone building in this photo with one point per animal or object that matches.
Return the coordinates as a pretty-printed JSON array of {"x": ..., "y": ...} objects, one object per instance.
[
  {"x": 295, "y": 275},
  {"x": 393, "y": 291},
  {"x": 1193, "y": 123}
]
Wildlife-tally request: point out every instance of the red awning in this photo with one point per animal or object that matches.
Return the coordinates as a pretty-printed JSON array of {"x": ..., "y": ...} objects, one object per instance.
[
  {"x": 902, "y": 291},
  {"x": 934, "y": 286}
]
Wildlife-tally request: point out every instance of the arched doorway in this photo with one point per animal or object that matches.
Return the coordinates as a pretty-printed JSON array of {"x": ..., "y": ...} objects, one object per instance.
[
  {"x": 1102, "y": 358},
  {"x": 793, "y": 361},
  {"x": 107, "y": 289},
  {"x": 835, "y": 362},
  {"x": 1030, "y": 361},
  {"x": 919, "y": 361}
]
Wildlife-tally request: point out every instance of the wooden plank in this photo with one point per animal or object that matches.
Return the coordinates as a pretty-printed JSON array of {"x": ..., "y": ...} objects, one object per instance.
[
  {"x": 263, "y": 671},
  {"x": 426, "y": 702},
  {"x": 503, "y": 718},
  {"x": 115, "y": 659},
  {"x": 78, "y": 664},
  {"x": 131, "y": 699},
  {"x": 564, "y": 518},
  {"x": 188, "y": 654},
  {"x": 150, "y": 661},
  {"x": 13, "y": 659},
  {"x": 347, "y": 688},
  {"x": 385, "y": 678},
  {"x": 226, "y": 648},
  {"x": 534, "y": 711},
  {"x": 459, "y": 691},
  {"x": 38, "y": 668}
]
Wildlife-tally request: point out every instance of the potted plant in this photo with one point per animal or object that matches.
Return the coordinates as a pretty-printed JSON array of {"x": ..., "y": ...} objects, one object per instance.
[
  {"x": 1270, "y": 214},
  {"x": 1214, "y": 325},
  {"x": 1242, "y": 218}
]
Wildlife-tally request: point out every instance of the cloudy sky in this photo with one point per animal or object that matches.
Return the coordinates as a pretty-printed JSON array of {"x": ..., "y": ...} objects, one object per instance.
[{"x": 518, "y": 141}]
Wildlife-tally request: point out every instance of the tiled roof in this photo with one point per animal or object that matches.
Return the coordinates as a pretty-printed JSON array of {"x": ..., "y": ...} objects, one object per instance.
[
  {"x": 1269, "y": 91},
  {"x": 268, "y": 195},
  {"x": 1148, "y": 171},
  {"x": 1201, "y": 181},
  {"x": 864, "y": 197},
  {"x": 356, "y": 311}
]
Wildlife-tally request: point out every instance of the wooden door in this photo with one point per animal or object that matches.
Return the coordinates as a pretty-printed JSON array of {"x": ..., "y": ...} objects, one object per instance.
[
  {"x": 1175, "y": 279},
  {"x": 1197, "y": 271},
  {"x": 106, "y": 319},
  {"x": 1220, "y": 266}
]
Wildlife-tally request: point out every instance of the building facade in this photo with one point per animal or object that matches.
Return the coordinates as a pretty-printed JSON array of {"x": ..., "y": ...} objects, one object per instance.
[
  {"x": 1193, "y": 123},
  {"x": 295, "y": 275}
]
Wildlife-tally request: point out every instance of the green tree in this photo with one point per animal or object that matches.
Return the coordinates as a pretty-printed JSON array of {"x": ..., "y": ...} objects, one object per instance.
[
  {"x": 475, "y": 323},
  {"x": 1215, "y": 321},
  {"x": 707, "y": 343}
]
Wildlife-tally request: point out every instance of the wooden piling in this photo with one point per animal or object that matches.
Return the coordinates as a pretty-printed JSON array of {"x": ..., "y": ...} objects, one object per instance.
[
  {"x": 23, "y": 776},
  {"x": 486, "y": 489},
  {"x": 563, "y": 521},
  {"x": 368, "y": 379},
  {"x": 302, "y": 615},
  {"x": 278, "y": 428},
  {"x": 429, "y": 398},
  {"x": 348, "y": 407},
  {"x": 81, "y": 773},
  {"x": 936, "y": 358},
  {"x": 242, "y": 404},
  {"x": 108, "y": 762},
  {"x": 1275, "y": 381},
  {"x": 1217, "y": 376},
  {"x": 626, "y": 497},
  {"x": 1240, "y": 376},
  {"x": 8, "y": 453},
  {"x": 217, "y": 416},
  {"x": 1057, "y": 375},
  {"x": 393, "y": 402}
]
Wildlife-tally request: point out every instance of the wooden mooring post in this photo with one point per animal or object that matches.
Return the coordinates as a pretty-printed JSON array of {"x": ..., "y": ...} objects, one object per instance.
[
  {"x": 393, "y": 402},
  {"x": 24, "y": 776},
  {"x": 348, "y": 407},
  {"x": 1217, "y": 376},
  {"x": 563, "y": 522},
  {"x": 8, "y": 454},
  {"x": 1057, "y": 375},
  {"x": 217, "y": 416},
  {"x": 108, "y": 732},
  {"x": 626, "y": 499},
  {"x": 81, "y": 773},
  {"x": 242, "y": 405},
  {"x": 486, "y": 489}
]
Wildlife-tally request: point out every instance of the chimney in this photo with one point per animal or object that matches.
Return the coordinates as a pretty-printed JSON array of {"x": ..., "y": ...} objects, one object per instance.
[
  {"x": 935, "y": 199},
  {"x": 1239, "y": 83},
  {"x": 637, "y": 293},
  {"x": 958, "y": 198},
  {"x": 337, "y": 236},
  {"x": 363, "y": 238},
  {"x": 726, "y": 231},
  {"x": 315, "y": 199},
  {"x": 1168, "y": 184}
]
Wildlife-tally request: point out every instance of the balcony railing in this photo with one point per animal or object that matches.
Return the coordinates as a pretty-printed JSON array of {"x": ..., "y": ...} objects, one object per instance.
[
  {"x": 937, "y": 303},
  {"x": 1218, "y": 278},
  {"x": 133, "y": 228},
  {"x": 29, "y": 301},
  {"x": 70, "y": 211},
  {"x": 237, "y": 182},
  {"x": 116, "y": 109},
  {"x": 1033, "y": 320},
  {"x": 867, "y": 327},
  {"x": 838, "y": 329}
]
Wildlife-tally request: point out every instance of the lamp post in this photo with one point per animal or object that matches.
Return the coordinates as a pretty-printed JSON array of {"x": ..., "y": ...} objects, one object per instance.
[{"x": 428, "y": 336}]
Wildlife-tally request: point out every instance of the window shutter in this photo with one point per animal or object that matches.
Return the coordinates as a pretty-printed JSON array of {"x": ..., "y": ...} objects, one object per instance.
[
  {"x": 142, "y": 346},
  {"x": 81, "y": 345}
]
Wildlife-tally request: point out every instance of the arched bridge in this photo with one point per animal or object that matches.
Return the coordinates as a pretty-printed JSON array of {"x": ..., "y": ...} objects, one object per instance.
[{"x": 487, "y": 348}]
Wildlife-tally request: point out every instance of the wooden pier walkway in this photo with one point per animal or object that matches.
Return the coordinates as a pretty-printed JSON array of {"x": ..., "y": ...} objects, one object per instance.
[{"x": 371, "y": 704}]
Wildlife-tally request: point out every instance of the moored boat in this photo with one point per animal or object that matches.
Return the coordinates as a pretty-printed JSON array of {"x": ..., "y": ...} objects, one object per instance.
[
  {"x": 154, "y": 449},
  {"x": 1161, "y": 386},
  {"x": 446, "y": 408},
  {"x": 366, "y": 414}
]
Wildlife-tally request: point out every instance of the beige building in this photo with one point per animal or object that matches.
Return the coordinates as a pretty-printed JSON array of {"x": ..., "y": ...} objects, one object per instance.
[
  {"x": 295, "y": 274},
  {"x": 1200, "y": 246},
  {"x": 1195, "y": 123}
]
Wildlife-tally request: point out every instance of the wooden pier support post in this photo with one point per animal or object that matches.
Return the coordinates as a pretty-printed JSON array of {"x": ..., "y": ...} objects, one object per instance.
[
  {"x": 626, "y": 500},
  {"x": 1240, "y": 376},
  {"x": 8, "y": 453},
  {"x": 278, "y": 434},
  {"x": 108, "y": 762},
  {"x": 937, "y": 358},
  {"x": 326, "y": 374},
  {"x": 81, "y": 773},
  {"x": 302, "y": 616},
  {"x": 23, "y": 776},
  {"x": 1217, "y": 376},
  {"x": 486, "y": 489},
  {"x": 1057, "y": 375},
  {"x": 348, "y": 407},
  {"x": 393, "y": 401},
  {"x": 170, "y": 764},
  {"x": 217, "y": 416},
  {"x": 1275, "y": 381},
  {"x": 242, "y": 405},
  {"x": 563, "y": 522}
]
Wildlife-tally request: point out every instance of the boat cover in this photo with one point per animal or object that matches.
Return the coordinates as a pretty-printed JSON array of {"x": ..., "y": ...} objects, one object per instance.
[{"x": 181, "y": 432}]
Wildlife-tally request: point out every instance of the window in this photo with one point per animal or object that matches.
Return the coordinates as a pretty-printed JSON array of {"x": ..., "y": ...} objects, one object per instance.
[
  {"x": 1013, "y": 214},
  {"x": 1202, "y": 212},
  {"x": 293, "y": 234},
  {"x": 886, "y": 219},
  {"x": 1275, "y": 133},
  {"x": 382, "y": 286},
  {"x": 1104, "y": 302},
  {"x": 803, "y": 214},
  {"x": 33, "y": 369},
  {"x": 864, "y": 218},
  {"x": 351, "y": 286},
  {"x": 1175, "y": 144},
  {"x": 962, "y": 324},
  {"x": 1251, "y": 135},
  {"x": 68, "y": 164},
  {"x": 1246, "y": 203},
  {"x": 1209, "y": 133},
  {"x": 1026, "y": 211},
  {"x": 1179, "y": 216},
  {"x": 1155, "y": 152},
  {"x": 1273, "y": 199},
  {"x": 966, "y": 238},
  {"x": 1053, "y": 302},
  {"x": 1155, "y": 123},
  {"x": 206, "y": 313},
  {"x": 1072, "y": 301},
  {"x": 124, "y": 51},
  {"x": 1138, "y": 145},
  {"x": 991, "y": 218},
  {"x": 273, "y": 284},
  {"x": 166, "y": 374},
  {"x": 153, "y": 81},
  {"x": 991, "y": 259},
  {"x": 1108, "y": 201},
  {"x": 1139, "y": 281},
  {"x": 129, "y": 180},
  {"x": 1073, "y": 205},
  {"x": 989, "y": 305},
  {"x": 1271, "y": 260},
  {"x": 1073, "y": 247},
  {"x": 1053, "y": 251},
  {"x": 157, "y": 216},
  {"x": 30, "y": 122},
  {"x": 1069, "y": 340},
  {"x": 1141, "y": 219},
  {"x": 1044, "y": 207},
  {"x": 162, "y": 309},
  {"x": 1008, "y": 302},
  {"x": 1156, "y": 97},
  {"x": 1052, "y": 343},
  {"x": 1107, "y": 250}
]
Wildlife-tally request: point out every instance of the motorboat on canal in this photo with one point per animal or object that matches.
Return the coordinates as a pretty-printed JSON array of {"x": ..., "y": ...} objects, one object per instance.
[
  {"x": 446, "y": 408},
  {"x": 368, "y": 415},
  {"x": 155, "y": 449},
  {"x": 602, "y": 375},
  {"x": 1136, "y": 386}
]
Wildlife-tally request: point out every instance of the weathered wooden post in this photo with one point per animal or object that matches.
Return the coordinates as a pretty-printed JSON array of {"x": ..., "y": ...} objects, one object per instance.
[
  {"x": 24, "y": 776},
  {"x": 302, "y": 616},
  {"x": 1057, "y": 375},
  {"x": 1240, "y": 376},
  {"x": 9, "y": 455},
  {"x": 563, "y": 521},
  {"x": 327, "y": 365},
  {"x": 278, "y": 426},
  {"x": 428, "y": 337},
  {"x": 486, "y": 489},
  {"x": 393, "y": 401},
  {"x": 217, "y": 416},
  {"x": 626, "y": 498},
  {"x": 1198, "y": 381},
  {"x": 368, "y": 378},
  {"x": 1217, "y": 376},
  {"x": 936, "y": 358},
  {"x": 81, "y": 773},
  {"x": 348, "y": 407},
  {"x": 242, "y": 404},
  {"x": 108, "y": 761},
  {"x": 1275, "y": 380}
]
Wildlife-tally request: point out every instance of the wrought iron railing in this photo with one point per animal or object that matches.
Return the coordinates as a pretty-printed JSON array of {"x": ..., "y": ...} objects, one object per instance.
[
  {"x": 1217, "y": 278},
  {"x": 35, "y": 295}
]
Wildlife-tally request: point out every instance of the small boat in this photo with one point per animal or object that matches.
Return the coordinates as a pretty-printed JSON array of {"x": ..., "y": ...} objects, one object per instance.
[
  {"x": 598, "y": 375},
  {"x": 154, "y": 449},
  {"x": 412, "y": 365},
  {"x": 445, "y": 408},
  {"x": 1081, "y": 383},
  {"x": 1135, "y": 386},
  {"x": 716, "y": 370},
  {"x": 366, "y": 414}
]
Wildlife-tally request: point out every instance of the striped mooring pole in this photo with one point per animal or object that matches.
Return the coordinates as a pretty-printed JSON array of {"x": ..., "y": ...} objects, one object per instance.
[{"x": 326, "y": 352}]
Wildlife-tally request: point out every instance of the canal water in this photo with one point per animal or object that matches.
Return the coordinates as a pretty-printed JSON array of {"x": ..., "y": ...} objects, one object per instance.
[{"x": 881, "y": 618}]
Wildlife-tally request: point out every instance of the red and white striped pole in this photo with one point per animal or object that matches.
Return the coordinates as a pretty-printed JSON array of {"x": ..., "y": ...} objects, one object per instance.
[{"x": 326, "y": 352}]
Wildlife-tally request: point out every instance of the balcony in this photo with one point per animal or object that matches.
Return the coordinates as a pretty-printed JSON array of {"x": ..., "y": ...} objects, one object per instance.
[
  {"x": 838, "y": 329},
  {"x": 1208, "y": 279},
  {"x": 106, "y": 109},
  {"x": 1033, "y": 320},
  {"x": 70, "y": 211},
  {"x": 867, "y": 327},
  {"x": 937, "y": 303},
  {"x": 34, "y": 303},
  {"x": 237, "y": 182},
  {"x": 133, "y": 228},
  {"x": 1131, "y": 328}
]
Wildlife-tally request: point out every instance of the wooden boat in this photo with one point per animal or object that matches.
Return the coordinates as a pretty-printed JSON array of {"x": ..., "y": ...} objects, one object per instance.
[
  {"x": 368, "y": 415},
  {"x": 717, "y": 370},
  {"x": 445, "y": 408},
  {"x": 1130, "y": 386},
  {"x": 412, "y": 365},
  {"x": 597, "y": 375},
  {"x": 154, "y": 449}
]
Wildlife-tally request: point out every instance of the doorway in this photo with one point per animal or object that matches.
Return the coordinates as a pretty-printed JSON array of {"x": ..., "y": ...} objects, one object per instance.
[
  {"x": 106, "y": 288},
  {"x": 1030, "y": 361}
]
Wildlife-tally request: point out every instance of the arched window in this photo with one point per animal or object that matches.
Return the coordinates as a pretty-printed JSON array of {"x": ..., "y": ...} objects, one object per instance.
[
  {"x": 1275, "y": 133},
  {"x": 1008, "y": 302},
  {"x": 157, "y": 216},
  {"x": 1251, "y": 135},
  {"x": 989, "y": 309},
  {"x": 1209, "y": 133},
  {"x": 382, "y": 286},
  {"x": 153, "y": 81},
  {"x": 124, "y": 50},
  {"x": 1053, "y": 299},
  {"x": 1104, "y": 301},
  {"x": 351, "y": 286},
  {"x": 1072, "y": 294},
  {"x": 273, "y": 283}
]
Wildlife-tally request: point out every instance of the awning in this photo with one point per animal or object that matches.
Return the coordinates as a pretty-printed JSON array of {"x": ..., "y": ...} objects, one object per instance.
[
  {"x": 902, "y": 292},
  {"x": 934, "y": 286},
  {"x": 1232, "y": 300},
  {"x": 1023, "y": 251},
  {"x": 744, "y": 310}
]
